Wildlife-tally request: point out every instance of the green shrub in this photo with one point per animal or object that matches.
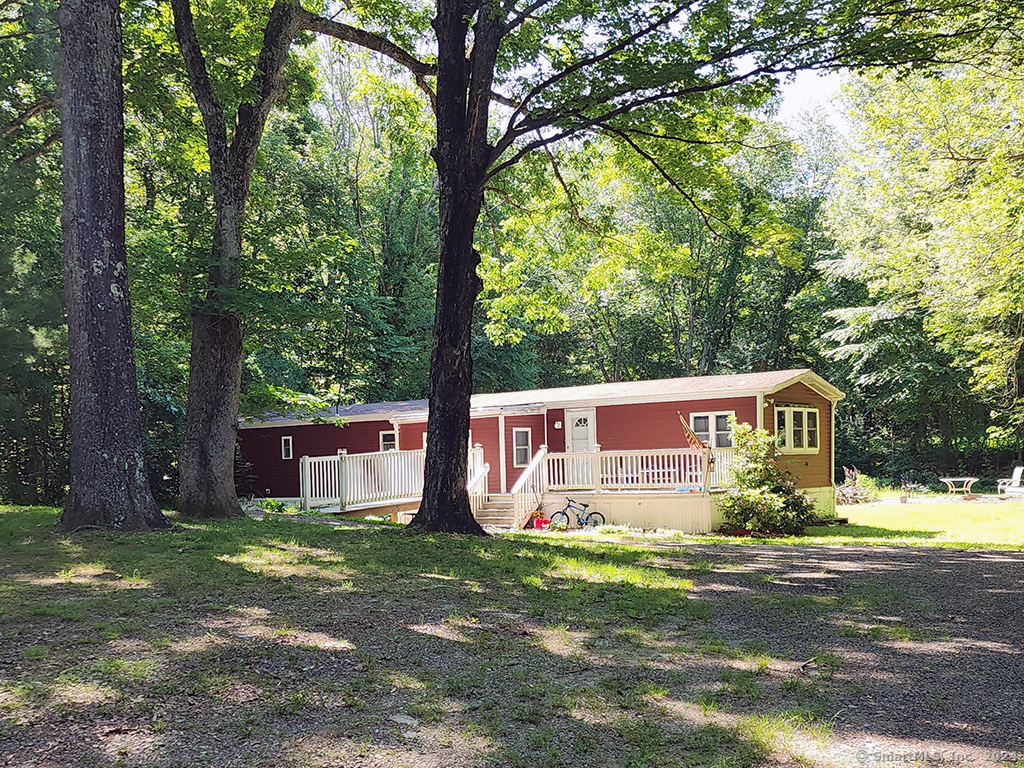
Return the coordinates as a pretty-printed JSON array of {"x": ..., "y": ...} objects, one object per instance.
[
  {"x": 765, "y": 499},
  {"x": 278, "y": 506}
]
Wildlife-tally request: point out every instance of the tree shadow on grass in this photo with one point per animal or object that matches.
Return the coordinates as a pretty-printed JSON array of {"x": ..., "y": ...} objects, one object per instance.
[
  {"x": 867, "y": 532},
  {"x": 244, "y": 643}
]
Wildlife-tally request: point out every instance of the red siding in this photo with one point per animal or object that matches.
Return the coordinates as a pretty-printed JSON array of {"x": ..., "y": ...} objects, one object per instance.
[
  {"x": 641, "y": 426},
  {"x": 271, "y": 475},
  {"x": 410, "y": 436},
  {"x": 485, "y": 432},
  {"x": 536, "y": 424},
  {"x": 556, "y": 437}
]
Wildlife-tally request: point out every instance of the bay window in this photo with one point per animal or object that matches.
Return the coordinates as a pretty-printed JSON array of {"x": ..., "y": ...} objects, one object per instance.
[{"x": 797, "y": 428}]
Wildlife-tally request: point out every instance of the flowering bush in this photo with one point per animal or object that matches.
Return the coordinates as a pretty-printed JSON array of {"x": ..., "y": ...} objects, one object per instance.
[{"x": 766, "y": 499}]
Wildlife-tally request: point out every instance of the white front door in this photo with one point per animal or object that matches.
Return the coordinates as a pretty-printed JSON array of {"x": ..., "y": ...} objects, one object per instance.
[{"x": 580, "y": 431}]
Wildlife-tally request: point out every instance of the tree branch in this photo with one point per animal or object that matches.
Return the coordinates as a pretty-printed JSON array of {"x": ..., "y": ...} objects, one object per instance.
[
  {"x": 266, "y": 81},
  {"x": 27, "y": 32},
  {"x": 28, "y": 114},
  {"x": 619, "y": 46},
  {"x": 52, "y": 139},
  {"x": 527, "y": 149},
  {"x": 525, "y": 14},
  {"x": 199, "y": 79},
  {"x": 665, "y": 175},
  {"x": 704, "y": 142},
  {"x": 568, "y": 195},
  {"x": 420, "y": 70},
  {"x": 314, "y": 23},
  {"x": 952, "y": 153}
]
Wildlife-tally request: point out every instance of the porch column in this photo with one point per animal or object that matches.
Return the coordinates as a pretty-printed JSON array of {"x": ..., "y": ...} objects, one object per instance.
[
  {"x": 595, "y": 459},
  {"x": 304, "y": 482},
  {"x": 342, "y": 453},
  {"x": 501, "y": 450}
]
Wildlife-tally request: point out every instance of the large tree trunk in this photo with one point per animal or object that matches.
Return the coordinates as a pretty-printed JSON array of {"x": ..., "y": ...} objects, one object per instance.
[
  {"x": 445, "y": 505},
  {"x": 109, "y": 487},
  {"x": 462, "y": 157},
  {"x": 207, "y": 459}
]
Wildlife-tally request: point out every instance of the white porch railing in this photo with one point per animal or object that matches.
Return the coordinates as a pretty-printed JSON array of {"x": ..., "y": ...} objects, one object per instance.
[
  {"x": 363, "y": 478},
  {"x": 635, "y": 470},
  {"x": 477, "y": 487},
  {"x": 721, "y": 473},
  {"x": 347, "y": 480},
  {"x": 529, "y": 488}
]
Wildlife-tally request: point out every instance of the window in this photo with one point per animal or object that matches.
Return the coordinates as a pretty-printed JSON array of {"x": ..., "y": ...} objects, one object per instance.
[
  {"x": 797, "y": 428},
  {"x": 389, "y": 441},
  {"x": 713, "y": 428},
  {"x": 521, "y": 446},
  {"x": 286, "y": 447}
]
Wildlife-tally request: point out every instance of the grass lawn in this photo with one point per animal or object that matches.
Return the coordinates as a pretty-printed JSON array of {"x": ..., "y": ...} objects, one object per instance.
[
  {"x": 940, "y": 523},
  {"x": 284, "y": 643},
  {"x": 945, "y": 523}
]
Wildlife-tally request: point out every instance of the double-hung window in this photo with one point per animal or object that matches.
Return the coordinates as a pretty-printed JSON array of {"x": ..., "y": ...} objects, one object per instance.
[
  {"x": 797, "y": 427},
  {"x": 522, "y": 446},
  {"x": 713, "y": 428},
  {"x": 286, "y": 447},
  {"x": 388, "y": 441}
]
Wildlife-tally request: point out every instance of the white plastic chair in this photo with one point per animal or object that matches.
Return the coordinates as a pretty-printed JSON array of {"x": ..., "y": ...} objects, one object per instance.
[{"x": 1011, "y": 484}]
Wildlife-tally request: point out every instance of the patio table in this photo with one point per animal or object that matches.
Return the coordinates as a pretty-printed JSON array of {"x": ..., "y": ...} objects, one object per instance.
[{"x": 959, "y": 484}]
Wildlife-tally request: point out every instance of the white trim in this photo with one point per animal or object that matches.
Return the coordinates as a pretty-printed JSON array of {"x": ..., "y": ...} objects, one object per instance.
[
  {"x": 590, "y": 413},
  {"x": 832, "y": 456},
  {"x": 287, "y": 447},
  {"x": 712, "y": 432},
  {"x": 380, "y": 436},
  {"x": 760, "y": 410},
  {"x": 528, "y": 446},
  {"x": 813, "y": 381},
  {"x": 788, "y": 448},
  {"x": 501, "y": 450}
]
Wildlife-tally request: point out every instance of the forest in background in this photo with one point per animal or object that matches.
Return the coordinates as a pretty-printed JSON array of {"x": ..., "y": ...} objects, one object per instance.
[{"x": 886, "y": 259}]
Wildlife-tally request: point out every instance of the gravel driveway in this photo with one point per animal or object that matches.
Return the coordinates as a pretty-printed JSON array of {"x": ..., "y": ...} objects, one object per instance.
[{"x": 928, "y": 642}]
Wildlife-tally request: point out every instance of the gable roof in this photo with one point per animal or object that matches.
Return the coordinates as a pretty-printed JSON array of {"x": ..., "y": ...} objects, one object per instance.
[{"x": 658, "y": 390}]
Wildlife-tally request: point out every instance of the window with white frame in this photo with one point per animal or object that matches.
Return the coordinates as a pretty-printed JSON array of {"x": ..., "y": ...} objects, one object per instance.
[
  {"x": 797, "y": 427},
  {"x": 286, "y": 447},
  {"x": 713, "y": 428},
  {"x": 389, "y": 441},
  {"x": 522, "y": 446}
]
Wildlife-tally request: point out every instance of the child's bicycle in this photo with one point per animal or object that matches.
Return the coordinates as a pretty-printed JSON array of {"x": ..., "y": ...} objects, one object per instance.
[{"x": 584, "y": 518}]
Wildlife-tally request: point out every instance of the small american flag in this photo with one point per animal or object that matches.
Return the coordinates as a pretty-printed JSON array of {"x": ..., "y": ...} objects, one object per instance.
[{"x": 691, "y": 438}]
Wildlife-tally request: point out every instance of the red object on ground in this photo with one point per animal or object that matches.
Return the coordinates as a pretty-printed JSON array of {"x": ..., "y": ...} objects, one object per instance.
[
  {"x": 540, "y": 524},
  {"x": 740, "y": 532}
]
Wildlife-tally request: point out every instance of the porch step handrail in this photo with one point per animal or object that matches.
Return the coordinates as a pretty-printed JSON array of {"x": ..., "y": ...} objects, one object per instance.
[
  {"x": 529, "y": 488},
  {"x": 477, "y": 488}
]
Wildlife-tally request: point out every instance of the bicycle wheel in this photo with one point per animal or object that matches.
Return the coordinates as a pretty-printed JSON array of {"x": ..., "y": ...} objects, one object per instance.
[
  {"x": 592, "y": 518},
  {"x": 560, "y": 519}
]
